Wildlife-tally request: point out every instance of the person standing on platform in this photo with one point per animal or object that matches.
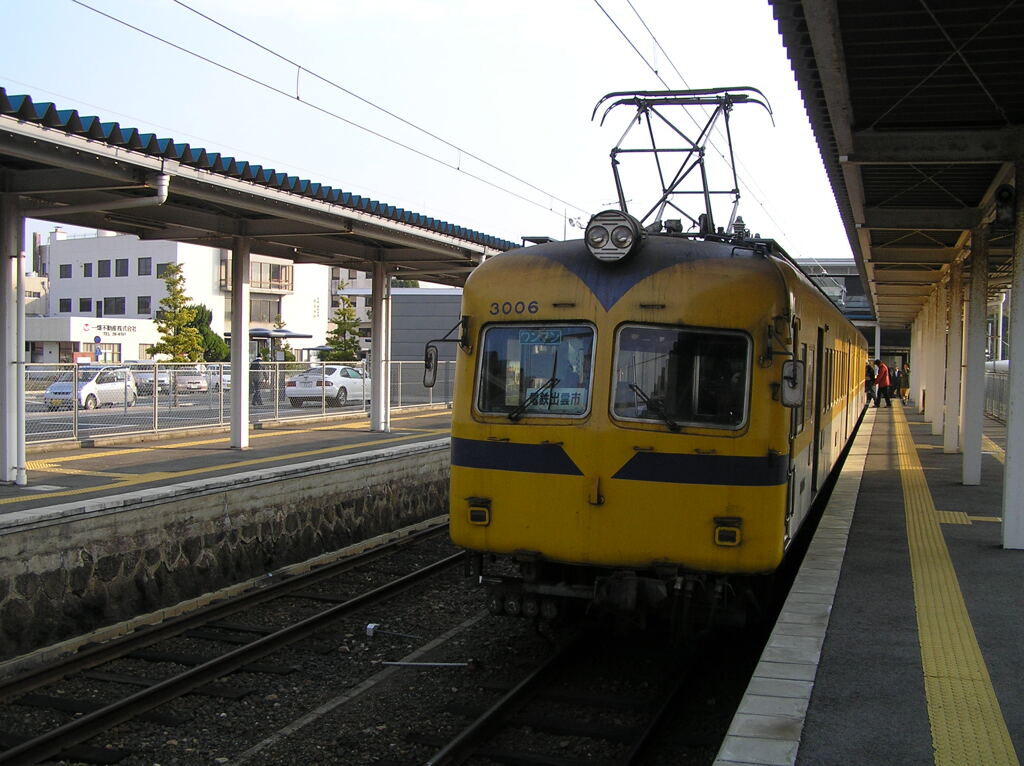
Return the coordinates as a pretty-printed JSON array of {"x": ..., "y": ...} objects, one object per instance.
[
  {"x": 905, "y": 384},
  {"x": 895, "y": 380},
  {"x": 256, "y": 381},
  {"x": 869, "y": 381},
  {"x": 882, "y": 381}
]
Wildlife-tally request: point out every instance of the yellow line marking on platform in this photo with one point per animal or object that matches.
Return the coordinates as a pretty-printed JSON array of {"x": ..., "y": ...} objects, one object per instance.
[
  {"x": 967, "y": 723},
  {"x": 952, "y": 517},
  {"x": 997, "y": 519},
  {"x": 143, "y": 478},
  {"x": 990, "y": 446}
]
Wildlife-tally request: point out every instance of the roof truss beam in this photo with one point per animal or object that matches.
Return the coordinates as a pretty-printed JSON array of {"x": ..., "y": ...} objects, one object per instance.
[
  {"x": 959, "y": 147},
  {"x": 921, "y": 219}
]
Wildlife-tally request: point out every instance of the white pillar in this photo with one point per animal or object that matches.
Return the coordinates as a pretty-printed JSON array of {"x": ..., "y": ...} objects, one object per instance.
[
  {"x": 954, "y": 359},
  {"x": 1013, "y": 473},
  {"x": 937, "y": 363},
  {"x": 917, "y": 357},
  {"x": 878, "y": 341},
  {"x": 240, "y": 343},
  {"x": 999, "y": 328},
  {"x": 10, "y": 245},
  {"x": 974, "y": 366},
  {"x": 380, "y": 350}
]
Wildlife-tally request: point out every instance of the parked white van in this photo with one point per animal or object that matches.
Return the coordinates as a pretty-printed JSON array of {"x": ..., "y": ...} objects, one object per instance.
[{"x": 95, "y": 386}]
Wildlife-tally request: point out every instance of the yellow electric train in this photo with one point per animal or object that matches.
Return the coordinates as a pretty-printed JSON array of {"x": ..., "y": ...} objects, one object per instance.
[
  {"x": 643, "y": 418},
  {"x": 644, "y": 433}
]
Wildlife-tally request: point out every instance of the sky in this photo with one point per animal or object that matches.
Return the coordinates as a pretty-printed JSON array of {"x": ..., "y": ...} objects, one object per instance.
[{"x": 477, "y": 112}]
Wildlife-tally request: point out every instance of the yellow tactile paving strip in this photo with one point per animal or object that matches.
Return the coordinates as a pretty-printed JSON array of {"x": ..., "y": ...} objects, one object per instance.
[
  {"x": 122, "y": 480},
  {"x": 967, "y": 723},
  {"x": 990, "y": 446}
]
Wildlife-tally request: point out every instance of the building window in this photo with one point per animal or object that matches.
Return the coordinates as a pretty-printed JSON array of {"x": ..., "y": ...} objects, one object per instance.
[
  {"x": 65, "y": 305},
  {"x": 264, "y": 308},
  {"x": 103, "y": 268},
  {"x": 65, "y": 271},
  {"x": 144, "y": 349},
  {"x": 113, "y": 306},
  {"x": 353, "y": 274},
  {"x": 145, "y": 305},
  {"x": 87, "y": 269},
  {"x": 145, "y": 267},
  {"x": 161, "y": 269},
  {"x": 85, "y": 305},
  {"x": 121, "y": 267},
  {"x": 110, "y": 352}
]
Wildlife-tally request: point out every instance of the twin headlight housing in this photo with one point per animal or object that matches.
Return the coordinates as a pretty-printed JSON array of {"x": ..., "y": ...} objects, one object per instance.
[{"x": 612, "y": 235}]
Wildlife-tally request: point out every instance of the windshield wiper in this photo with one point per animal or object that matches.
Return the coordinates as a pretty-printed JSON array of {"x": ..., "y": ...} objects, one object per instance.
[
  {"x": 656, "y": 407},
  {"x": 517, "y": 413}
]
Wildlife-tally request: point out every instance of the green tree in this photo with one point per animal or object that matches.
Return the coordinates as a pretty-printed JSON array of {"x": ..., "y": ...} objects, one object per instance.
[
  {"x": 396, "y": 282},
  {"x": 286, "y": 347},
  {"x": 344, "y": 337},
  {"x": 215, "y": 348},
  {"x": 178, "y": 338}
]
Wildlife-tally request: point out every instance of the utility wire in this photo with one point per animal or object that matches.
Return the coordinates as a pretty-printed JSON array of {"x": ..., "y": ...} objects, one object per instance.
[
  {"x": 369, "y": 103},
  {"x": 323, "y": 110}
]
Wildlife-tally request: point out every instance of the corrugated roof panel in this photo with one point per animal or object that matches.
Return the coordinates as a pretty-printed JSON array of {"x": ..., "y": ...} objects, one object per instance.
[{"x": 44, "y": 113}]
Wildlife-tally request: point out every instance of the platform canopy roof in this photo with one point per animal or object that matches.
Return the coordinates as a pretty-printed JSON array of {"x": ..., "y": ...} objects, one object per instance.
[
  {"x": 79, "y": 170},
  {"x": 917, "y": 106}
]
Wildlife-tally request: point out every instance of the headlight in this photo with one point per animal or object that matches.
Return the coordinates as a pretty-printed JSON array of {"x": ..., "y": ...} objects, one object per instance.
[{"x": 612, "y": 235}]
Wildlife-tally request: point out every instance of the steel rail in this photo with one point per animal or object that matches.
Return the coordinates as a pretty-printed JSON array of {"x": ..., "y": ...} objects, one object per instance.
[
  {"x": 467, "y": 742},
  {"x": 75, "y": 732},
  {"x": 464, "y": 743},
  {"x": 143, "y": 637}
]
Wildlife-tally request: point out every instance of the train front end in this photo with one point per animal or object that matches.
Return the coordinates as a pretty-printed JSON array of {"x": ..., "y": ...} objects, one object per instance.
[{"x": 618, "y": 438}]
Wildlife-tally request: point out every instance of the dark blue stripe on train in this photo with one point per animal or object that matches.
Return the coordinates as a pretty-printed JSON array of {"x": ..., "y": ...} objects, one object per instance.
[
  {"x": 706, "y": 469},
  {"x": 509, "y": 456}
]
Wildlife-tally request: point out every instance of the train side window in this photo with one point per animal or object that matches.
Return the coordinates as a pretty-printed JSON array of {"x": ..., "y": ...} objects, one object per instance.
[
  {"x": 689, "y": 377},
  {"x": 535, "y": 370}
]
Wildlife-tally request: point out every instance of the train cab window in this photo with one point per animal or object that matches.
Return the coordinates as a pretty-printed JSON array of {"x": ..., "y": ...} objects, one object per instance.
[
  {"x": 681, "y": 377},
  {"x": 535, "y": 370}
]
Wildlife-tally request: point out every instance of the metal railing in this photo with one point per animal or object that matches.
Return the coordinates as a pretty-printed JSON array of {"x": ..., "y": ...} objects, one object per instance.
[
  {"x": 74, "y": 402},
  {"x": 997, "y": 395}
]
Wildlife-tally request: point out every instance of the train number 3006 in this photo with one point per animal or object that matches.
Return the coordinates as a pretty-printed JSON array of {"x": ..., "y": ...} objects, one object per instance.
[{"x": 514, "y": 307}]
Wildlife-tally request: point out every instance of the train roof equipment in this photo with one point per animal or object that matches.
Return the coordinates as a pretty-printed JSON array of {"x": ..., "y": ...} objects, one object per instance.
[{"x": 691, "y": 177}]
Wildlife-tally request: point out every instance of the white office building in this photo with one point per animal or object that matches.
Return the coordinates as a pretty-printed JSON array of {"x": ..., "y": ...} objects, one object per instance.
[{"x": 105, "y": 291}]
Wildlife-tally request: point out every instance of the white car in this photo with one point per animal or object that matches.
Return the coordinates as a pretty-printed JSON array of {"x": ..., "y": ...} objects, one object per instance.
[
  {"x": 338, "y": 384},
  {"x": 92, "y": 386}
]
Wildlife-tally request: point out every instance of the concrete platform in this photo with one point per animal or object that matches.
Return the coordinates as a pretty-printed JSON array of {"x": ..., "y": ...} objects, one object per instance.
[
  {"x": 106, "y": 538},
  {"x": 117, "y": 466},
  {"x": 903, "y": 639}
]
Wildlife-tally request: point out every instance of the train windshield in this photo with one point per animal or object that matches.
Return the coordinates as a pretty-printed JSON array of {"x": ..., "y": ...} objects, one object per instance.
[
  {"x": 535, "y": 370},
  {"x": 682, "y": 377}
]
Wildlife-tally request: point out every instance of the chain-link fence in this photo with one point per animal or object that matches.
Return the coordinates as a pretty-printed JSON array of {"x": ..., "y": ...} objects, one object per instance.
[{"x": 86, "y": 401}]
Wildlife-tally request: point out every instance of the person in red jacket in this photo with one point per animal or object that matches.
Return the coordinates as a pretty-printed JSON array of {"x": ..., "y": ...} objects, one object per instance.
[{"x": 882, "y": 381}]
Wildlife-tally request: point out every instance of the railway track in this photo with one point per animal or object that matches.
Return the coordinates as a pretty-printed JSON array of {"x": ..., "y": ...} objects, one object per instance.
[
  {"x": 591, "y": 702},
  {"x": 242, "y": 646}
]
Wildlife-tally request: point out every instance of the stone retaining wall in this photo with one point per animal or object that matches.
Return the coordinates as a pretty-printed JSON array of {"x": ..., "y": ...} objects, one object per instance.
[{"x": 70, "y": 569}]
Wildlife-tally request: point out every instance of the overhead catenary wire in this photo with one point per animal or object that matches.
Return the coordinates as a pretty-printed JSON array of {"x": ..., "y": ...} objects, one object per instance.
[
  {"x": 327, "y": 81},
  {"x": 323, "y": 110}
]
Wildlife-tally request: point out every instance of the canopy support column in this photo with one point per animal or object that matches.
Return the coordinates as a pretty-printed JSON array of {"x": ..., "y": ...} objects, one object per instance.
[
  {"x": 12, "y": 342},
  {"x": 380, "y": 350},
  {"x": 240, "y": 342},
  {"x": 974, "y": 367},
  {"x": 954, "y": 360},
  {"x": 935, "y": 410},
  {"x": 1013, "y": 474}
]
